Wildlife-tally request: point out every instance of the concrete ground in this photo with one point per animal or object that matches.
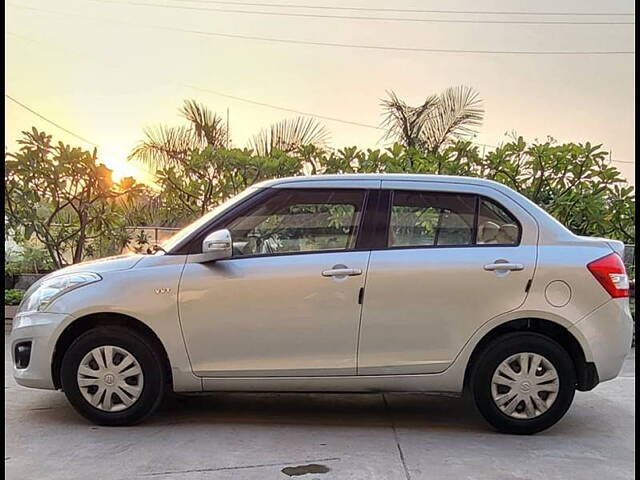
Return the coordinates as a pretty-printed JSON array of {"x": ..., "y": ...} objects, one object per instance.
[{"x": 364, "y": 436}]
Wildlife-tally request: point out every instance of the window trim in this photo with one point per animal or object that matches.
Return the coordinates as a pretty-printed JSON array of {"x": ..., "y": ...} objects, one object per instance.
[
  {"x": 241, "y": 209},
  {"x": 384, "y": 245}
]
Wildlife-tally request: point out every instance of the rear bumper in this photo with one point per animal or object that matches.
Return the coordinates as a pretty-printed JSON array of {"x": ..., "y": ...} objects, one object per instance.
[{"x": 608, "y": 330}]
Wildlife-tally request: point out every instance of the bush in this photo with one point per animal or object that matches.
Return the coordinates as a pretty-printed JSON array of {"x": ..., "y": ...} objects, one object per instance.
[
  {"x": 13, "y": 296},
  {"x": 32, "y": 259}
]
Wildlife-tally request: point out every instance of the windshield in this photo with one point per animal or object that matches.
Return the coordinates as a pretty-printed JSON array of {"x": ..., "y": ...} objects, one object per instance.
[{"x": 169, "y": 244}]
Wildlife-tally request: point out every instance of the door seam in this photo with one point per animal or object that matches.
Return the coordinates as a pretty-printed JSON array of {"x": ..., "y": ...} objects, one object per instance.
[
  {"x": 364, "y": 294},
  {"x": 184, "y": 340}
]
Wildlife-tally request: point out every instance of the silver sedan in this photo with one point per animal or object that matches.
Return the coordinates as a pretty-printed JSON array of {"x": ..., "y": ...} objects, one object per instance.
[{"x": 345, "y": 283}]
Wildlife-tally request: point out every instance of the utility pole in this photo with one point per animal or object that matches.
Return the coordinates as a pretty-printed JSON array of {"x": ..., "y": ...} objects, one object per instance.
[{"x": 227, "y": 128}]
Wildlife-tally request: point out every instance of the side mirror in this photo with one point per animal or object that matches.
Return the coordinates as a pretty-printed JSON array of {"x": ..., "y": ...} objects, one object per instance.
[{"x": 216, "y": 246}]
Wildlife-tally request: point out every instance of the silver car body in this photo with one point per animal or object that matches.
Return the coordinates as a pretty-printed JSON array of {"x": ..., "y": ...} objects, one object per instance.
[{"x": 275, "y": 323}]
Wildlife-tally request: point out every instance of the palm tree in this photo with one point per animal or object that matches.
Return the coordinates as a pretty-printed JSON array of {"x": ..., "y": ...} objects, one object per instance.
[
  {"x": 164, "y": 146},
  {"x": 171, "y": 146},
  {"x": 441, "y": 119},
  {"x": 288, "y": 135}
]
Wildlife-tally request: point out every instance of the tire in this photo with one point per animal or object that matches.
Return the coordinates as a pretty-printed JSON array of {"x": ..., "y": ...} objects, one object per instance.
[
  {"x": 134, "y": 395},
  {"x": 545, "y": 407}
]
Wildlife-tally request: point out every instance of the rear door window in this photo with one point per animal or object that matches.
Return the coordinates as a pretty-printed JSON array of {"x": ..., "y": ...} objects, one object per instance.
[{"x": 431, "y": 219}]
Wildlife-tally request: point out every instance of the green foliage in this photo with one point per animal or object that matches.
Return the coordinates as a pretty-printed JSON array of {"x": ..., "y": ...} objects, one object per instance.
[
  {"x": 11, "y": 268},
  {"x": 209, "y": 177},
  {"x": 61, "y": 197},
  {"x": 140, "y": 243},
  {"x": 289, "y": 135},
  {"x": 13, "y": 296},
  {"x": 197, "y": 169},
  {"x": 165, "y": 146},
  {"x": 33, "y": 259},
  {"x": 573, "y": 182},
  {"x": 442, "y": 119}
]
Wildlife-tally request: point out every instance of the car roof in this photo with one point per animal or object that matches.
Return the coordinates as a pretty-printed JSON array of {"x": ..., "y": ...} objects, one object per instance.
[{"x": 415, "y": 177}]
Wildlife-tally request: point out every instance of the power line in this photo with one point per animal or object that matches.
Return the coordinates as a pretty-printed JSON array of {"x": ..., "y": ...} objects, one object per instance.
[
  {"x": 194, "y": 87},
  {"x": 284, "y": 109},
  {"x": 226, "y": 95},
  {"x": 353, "y": 17},
  {"x": 332, "y": 44},
  {"x": 50, "y": 121},
  {"x": 64, "y": 129},
  {"x": 404, "y": 10},
  {"x": 237, "y": 98},
  {"x": 233, "y": 97}
]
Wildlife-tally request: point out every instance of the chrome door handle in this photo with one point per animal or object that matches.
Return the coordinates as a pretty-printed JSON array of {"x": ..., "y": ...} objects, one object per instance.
[
  {"x": 504, "y": 266},
  {"x": 341, "y": 272}
]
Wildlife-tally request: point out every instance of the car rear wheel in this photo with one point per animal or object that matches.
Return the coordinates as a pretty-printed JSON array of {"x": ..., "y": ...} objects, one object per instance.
[
  {"x": 112, "y": 375},
  {"x": 523, "y": 383}
]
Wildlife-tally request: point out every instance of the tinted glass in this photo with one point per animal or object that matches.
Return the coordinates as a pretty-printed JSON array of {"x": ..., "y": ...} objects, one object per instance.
[
  {"x": 299, "y": 221},
  {"x": 496, "y": 226},
  {"x": 431, "y": 218},
  {"x": 174, "y": 240}
]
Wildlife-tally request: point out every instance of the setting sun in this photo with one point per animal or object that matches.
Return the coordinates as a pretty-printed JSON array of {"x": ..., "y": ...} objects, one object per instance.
[{"x": 116, "y": 159}]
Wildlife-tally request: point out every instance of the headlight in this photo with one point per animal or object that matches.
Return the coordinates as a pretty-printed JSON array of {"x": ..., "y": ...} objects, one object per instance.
[{"x": 41, "y": 294}]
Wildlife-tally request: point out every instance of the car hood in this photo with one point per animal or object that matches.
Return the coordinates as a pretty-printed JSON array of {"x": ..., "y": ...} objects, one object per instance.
[{"x": 109, "y": 264}]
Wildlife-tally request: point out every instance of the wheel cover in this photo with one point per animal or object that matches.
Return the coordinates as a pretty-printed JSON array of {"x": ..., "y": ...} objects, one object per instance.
[
  {"x": 110, "y": 378},
  {"x": 525, "y": 385}
]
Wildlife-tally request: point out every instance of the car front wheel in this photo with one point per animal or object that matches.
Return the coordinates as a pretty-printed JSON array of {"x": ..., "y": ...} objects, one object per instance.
[
  {"x": 113, "y": 376},
  {"x": 523, "y": 383}
]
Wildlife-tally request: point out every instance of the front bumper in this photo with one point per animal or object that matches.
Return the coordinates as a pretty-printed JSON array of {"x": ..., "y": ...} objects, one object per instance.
[
  {"x": 41, "y": 329},
  {"x": 608, "y": 331}
]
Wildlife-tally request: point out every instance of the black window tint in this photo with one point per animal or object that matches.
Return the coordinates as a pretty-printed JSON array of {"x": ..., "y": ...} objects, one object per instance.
[
  {"x": 431, "y": 219},
  {"x": 299, "y": 221},
  {"x": 496, "y": 226}
]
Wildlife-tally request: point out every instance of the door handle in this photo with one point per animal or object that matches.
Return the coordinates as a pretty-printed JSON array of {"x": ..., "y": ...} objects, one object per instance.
[
  {"x": 341, "y": 272},
  {"x": 504, "y": 266}
]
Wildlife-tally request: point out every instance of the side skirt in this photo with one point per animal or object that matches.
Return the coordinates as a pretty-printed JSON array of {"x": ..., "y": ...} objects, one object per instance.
[{"x": 436, "y": 383}]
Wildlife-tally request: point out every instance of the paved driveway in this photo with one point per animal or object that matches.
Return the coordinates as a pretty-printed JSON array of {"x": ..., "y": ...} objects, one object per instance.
[{"x": 364, "y": 436}]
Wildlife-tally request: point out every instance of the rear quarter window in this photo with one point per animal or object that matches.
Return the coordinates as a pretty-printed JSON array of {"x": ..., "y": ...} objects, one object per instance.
[{"x": 496, "y": 225}]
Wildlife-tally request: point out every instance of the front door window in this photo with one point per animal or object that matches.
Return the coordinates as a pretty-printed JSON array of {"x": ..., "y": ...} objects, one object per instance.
[{"x": 299, "y": 221}]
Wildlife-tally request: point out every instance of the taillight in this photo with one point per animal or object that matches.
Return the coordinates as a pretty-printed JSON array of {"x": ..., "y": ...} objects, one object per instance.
[{"x": 611, "y": 274}]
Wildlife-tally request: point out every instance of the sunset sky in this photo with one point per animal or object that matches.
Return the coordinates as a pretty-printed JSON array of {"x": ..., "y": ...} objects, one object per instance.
[{"x": 106, "y": 69}]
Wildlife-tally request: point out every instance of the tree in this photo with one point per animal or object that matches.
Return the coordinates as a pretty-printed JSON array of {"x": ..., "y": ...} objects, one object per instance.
[
  {"x": 440, "y": 120},
  {"x": 289, "y": 135},
  {"x": 196, "y": 170},
  {"x": 165, "y": 146},
  {"x": 211, "y": 176},
  {"x": 61, "y": 196},
  {"x": 573, "y": 182}
]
